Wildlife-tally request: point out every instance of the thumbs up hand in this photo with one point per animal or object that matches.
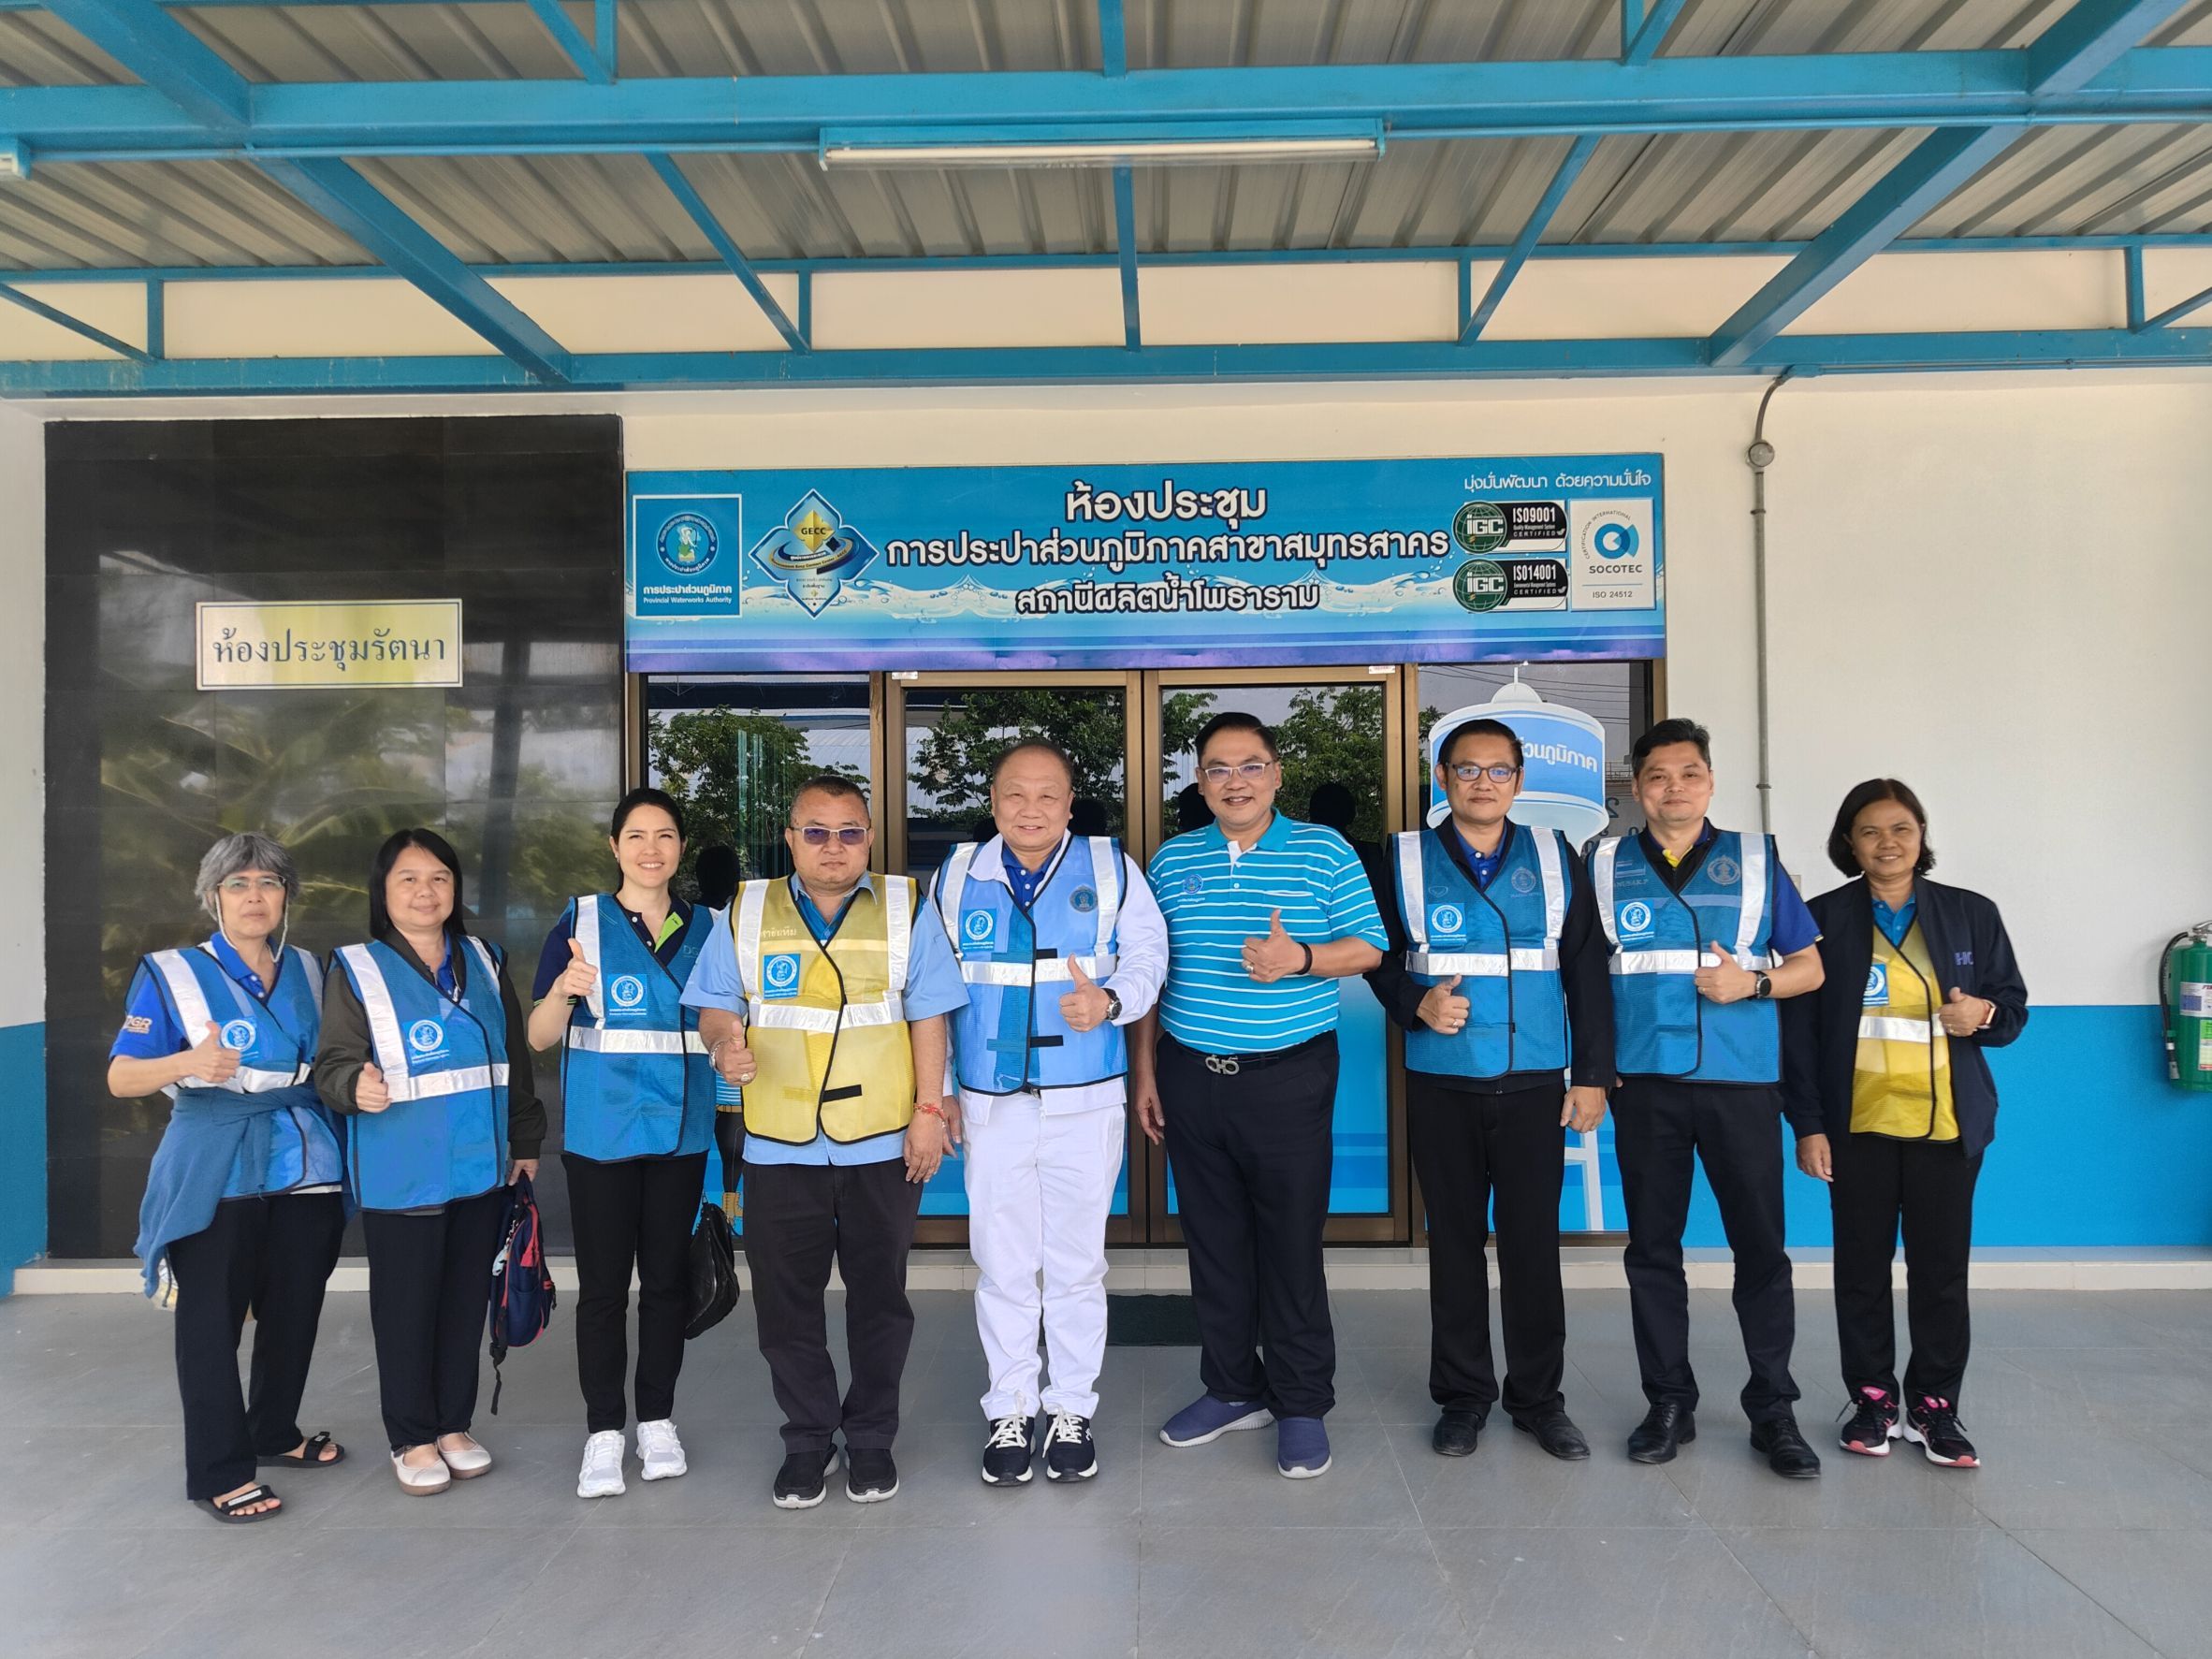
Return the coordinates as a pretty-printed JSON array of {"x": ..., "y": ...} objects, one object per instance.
[
  {"x": 211, "y": 1061},
  {"x": 1963, "y": 1015},
  {"x": 371, "y": 1092},
  {"x": 1086, "y": 1008},
  {"x": 1275, "y": 955},
  {"x": 580, "y": 978},
  {"x": 1443, "y": 1010},
  {"x": 1724, "y": 981}
]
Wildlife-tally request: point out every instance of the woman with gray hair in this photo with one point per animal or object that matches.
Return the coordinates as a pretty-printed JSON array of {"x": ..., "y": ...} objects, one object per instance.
[{"x": 245, "y": 1202}]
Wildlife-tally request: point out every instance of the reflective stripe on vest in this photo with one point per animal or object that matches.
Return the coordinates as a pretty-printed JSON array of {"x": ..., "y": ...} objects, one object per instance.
[
  {"x": 887, "y": 1010},
  {"x": 194, "y": 1015},
  {"x": 391, "y": 1047},
  {"x": 634, "y": 1076},
  {"x": 1889, "y": 1029}
]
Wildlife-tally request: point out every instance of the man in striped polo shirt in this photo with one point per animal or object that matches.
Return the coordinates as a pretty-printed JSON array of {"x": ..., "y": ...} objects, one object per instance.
[{"x": 1262, "y": 914}]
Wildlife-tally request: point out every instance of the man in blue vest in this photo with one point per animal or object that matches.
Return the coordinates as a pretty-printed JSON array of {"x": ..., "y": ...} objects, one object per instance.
[
  {"x": 1707, "y": 932},
  {"x": 1061, "y": 947},
  {"x": 1497, "y": 973}
]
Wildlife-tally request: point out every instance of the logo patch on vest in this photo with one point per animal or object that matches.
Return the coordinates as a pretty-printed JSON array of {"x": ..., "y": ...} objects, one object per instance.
[
  {"x": 1636, "y": 919},
  {"x": 979, "y": 929},
  {"x": 1878, "y": 985},
  {"x": 1082, "y": 901},
  {"x": 426, "y": 1038},
  {"x": 626, "y": 992},
  {"x": 239, "y": 1034},
  {"x": 1724, "y": 871},
  {"x": 1446, "y": 920},
  {"x": 1525, "y": 880},
  {"x": 779, "y": 975}
]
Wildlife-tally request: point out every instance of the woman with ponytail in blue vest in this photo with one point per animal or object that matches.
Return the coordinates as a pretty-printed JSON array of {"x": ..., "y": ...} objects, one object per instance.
[
  {"x": 639, "y": 1112},
  {"x": 423, "y": 1048},
  {"x": 244, "y": 1203}
]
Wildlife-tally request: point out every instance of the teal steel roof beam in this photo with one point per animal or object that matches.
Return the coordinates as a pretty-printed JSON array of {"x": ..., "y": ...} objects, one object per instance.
[
  {"x": 607, "y": 35},
  {"x": 1125, "y": 246},
  {"x": 2173, "y": 313},
  {"x": 732, "y": 255},
  {"x": 1642, "y": 44},
  {"x": 38, "y": 308},
  {"x": 1531, "y": 233},
  {"x": 1414, "y": 100},
  {"x": 1114, "y": 37},
  {"x": 1936, "y": 167},
  {"x": 350, "y": 203},
  {"x": 2131, "y": 280},
  {"x": 2085, "y": 41},
  {"x": 566, "y": 35},
  {"x": 165, "y": 55},
  {"x": 1108, "y": 365}
]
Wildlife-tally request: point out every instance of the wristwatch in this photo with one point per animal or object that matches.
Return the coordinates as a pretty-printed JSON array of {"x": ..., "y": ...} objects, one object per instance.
[
  {"x": 1766, "y": 984},
  {"x": 1113, "y": 1005}
]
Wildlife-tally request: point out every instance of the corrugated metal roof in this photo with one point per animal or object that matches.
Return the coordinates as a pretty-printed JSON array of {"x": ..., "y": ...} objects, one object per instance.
[{"x": 1688, "y": 187}]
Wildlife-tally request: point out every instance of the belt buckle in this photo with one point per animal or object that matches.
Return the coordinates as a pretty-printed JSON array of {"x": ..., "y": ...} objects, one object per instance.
[{"x": 1224, "y": 1065}]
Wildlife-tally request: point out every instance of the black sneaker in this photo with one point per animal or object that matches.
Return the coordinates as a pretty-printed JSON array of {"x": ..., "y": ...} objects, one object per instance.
[
  {"x": 1008, "y": 1450},
  {"x": 1932, "y": 1425},
  {"x": 799, "y": 1482},
  {"x": 871, "y": 1475},
  {"x": 1069, "y": 1452},
  {"x": 1872, "y": 1424}
]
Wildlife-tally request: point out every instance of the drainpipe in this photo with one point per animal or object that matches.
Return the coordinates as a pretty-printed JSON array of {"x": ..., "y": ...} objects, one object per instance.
[{"x": 1761, "y": 456}]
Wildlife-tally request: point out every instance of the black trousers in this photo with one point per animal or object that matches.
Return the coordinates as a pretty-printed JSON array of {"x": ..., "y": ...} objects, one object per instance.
[
  {"x": 430, "y": 1291},
  {"x": 634, "y": 1213},
  {"x": 1929, "y": 1187},
  {"x": 1659, "y": 1126},
  {"x": 797, "y": 1217},
  {"x": 1251, "y": 1152},
  {"x": 272, "y": 1255},
  {"x": 1470, "y": 1150}
]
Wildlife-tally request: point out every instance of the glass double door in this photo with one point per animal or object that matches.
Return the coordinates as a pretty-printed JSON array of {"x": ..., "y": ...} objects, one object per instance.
[{"x": 1343, "y": 736}]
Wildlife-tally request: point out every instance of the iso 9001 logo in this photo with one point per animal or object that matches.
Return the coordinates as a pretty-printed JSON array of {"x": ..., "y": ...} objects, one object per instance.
[{"x": 1479, "y": 585}]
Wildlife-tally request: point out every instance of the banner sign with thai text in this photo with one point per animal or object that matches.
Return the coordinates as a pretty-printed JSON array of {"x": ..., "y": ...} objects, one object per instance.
[
  {"x": 1185, "y": 565},
  {"x": 366, "y": 642}
]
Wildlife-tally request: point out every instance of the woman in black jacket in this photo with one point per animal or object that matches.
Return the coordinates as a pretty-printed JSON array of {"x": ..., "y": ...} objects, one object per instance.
[{"x": 1889, "y": 1092}]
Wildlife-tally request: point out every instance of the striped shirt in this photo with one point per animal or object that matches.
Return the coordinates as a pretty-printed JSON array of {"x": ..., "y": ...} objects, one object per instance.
[{"x": 1213, "y": 903}]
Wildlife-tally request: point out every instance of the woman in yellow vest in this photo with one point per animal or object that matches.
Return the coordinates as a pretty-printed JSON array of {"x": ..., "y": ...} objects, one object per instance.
[{"x": 1887, "y": 1088}]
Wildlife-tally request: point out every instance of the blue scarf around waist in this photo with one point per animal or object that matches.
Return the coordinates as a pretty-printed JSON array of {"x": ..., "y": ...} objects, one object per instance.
[{"x": 191, "y": 1166}]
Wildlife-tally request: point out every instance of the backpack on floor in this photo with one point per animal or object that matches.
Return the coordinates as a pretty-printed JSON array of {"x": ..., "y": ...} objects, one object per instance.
[{"x": 521, "y": 1284}]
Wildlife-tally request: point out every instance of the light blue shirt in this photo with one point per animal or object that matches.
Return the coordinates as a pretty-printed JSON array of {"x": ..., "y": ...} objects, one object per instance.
[
  {"x": 932, "y": 987},
  {"x": 1213, "y": 903}
]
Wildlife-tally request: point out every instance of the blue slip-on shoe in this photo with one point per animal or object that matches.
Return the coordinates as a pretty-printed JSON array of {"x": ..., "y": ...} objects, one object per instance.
[
  {"x": 1301, "y": 1447},
  {"x": 1205, "y": 1419}
]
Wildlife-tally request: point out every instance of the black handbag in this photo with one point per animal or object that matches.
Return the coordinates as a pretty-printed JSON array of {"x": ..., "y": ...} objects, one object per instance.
[{"x": 714, "y": 1270}]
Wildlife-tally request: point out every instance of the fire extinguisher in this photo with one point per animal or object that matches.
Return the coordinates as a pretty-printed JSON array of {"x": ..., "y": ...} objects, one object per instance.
[{"x": 2185, "y": 999}]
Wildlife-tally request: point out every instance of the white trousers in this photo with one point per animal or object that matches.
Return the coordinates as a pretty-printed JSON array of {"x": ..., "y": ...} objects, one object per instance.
[{"x": 1039, "y": 1191}]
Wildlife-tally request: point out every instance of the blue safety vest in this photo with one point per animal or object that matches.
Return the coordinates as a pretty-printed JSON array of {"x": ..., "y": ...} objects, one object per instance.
[
  {"x": 635, "y": 1079},
  {"x": 1018, "y": 963},
  {"x": 276, "y": 1040},
  {"x": 1502, "y": 941},
  {"x": 445, "y": 1135},
  {"x": 1662, "y": 1026}
]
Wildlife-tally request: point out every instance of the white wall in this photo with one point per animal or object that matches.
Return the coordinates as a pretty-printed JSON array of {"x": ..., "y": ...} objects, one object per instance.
[{"x": 22, "y": 732}]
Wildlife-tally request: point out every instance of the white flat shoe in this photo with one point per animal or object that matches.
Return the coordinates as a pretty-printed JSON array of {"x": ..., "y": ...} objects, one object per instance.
[
  {"x": 421, "y": 1483},
  {"x": 602, "y": 1473},
  {"x": 659, "y": 1450},
  {"x": 468, "y": 1461}
]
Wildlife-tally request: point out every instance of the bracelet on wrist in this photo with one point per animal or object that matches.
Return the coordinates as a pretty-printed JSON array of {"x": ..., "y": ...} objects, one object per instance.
[
  {"x": 932, "y": 1108},
  {"x": 1309, "y": 956}
]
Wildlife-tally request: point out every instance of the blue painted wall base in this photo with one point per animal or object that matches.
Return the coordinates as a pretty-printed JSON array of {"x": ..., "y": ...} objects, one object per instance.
[{"x": 22, "y": 1149}]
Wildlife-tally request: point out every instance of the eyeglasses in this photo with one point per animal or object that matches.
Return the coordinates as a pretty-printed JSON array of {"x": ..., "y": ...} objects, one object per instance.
[
  {"x": 1467, "y": 772},
  {"x": 816, "y": 835},
  {"x": 1250, "y": 771},
  {"x": 238, "y": 886}
]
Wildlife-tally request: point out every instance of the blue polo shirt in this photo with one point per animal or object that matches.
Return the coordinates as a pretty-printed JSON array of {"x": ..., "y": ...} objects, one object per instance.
[
  {"x": 932, "y": 987},
  {"x": 1213, "y": 903},
  {"x": 1896, "y": 924},
  {"x": 1483, "y": 864}
]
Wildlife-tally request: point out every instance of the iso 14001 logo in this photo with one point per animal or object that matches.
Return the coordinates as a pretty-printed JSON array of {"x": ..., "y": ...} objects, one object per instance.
[
  {"x": 1481, "y": 527},
  {"x": 1479, "y": 585}
]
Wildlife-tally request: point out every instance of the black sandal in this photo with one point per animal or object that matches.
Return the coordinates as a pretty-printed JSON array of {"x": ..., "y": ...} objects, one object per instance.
[
  {"x": 310, "y": 1456},
  {"x": 226, "y": 1509}
]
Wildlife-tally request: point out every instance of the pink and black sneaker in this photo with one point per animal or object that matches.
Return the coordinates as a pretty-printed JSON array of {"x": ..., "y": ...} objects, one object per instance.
[
  {"x": 1932, "y": 1425},
  {"x": 1872, "y": 1424}
]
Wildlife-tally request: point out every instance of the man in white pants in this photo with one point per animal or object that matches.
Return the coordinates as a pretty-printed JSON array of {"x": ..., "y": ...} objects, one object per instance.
[{"x": 1061, "y": 947}]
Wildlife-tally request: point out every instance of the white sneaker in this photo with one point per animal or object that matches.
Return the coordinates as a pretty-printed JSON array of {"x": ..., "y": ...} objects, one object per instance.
[
  {"x": 602, "y": 1473},
  {"x": 661, "y": 1452}
]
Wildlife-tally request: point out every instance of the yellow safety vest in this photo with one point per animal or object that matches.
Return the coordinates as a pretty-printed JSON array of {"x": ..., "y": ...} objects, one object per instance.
[
  {"x": 1900, "y": 1081},
  {"x": 827, "y": 1025}
]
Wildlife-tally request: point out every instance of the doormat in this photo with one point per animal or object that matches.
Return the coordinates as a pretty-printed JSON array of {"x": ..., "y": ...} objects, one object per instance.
[{"x": 1151, "y": 1323}]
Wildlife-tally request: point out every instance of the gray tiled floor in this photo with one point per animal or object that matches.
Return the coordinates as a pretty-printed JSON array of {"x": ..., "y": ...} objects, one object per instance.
[{"x": 2090, "y": 1532}]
